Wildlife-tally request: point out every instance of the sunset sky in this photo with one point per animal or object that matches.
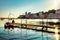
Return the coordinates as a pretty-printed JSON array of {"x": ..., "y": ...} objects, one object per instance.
[{"x": 18, "y": 7}]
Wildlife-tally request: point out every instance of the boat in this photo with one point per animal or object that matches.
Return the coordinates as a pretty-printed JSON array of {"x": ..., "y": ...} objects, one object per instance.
[{"x": 10, "y": 24}]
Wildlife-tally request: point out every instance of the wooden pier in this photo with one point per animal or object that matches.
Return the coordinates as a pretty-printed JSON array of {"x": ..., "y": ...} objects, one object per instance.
[{"x": 44, "y": 28}]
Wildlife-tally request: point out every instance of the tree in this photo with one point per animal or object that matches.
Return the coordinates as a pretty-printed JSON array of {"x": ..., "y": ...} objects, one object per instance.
[
  {"x": 52, "y": 11},
  {"x": 37, "y": 14}
]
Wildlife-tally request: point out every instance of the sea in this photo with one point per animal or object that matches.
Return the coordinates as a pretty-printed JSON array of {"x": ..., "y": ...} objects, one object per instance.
[{"x": 23, "y": 34}]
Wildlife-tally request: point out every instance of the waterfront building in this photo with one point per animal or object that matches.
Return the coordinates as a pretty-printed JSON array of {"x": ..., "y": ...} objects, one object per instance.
[
  {"x": 41, "y": 15},
  {"x": 56, "y": 15},
  {"x": 58, "y": 11}
]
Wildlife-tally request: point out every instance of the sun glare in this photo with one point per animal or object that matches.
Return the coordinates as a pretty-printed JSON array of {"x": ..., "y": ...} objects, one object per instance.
[
  {"x": 56, "y": 3},
  {"x": 56, "y": 33}
]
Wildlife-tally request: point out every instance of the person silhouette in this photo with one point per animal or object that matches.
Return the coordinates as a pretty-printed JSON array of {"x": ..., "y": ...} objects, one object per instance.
[{"x": 13, "y": 21}]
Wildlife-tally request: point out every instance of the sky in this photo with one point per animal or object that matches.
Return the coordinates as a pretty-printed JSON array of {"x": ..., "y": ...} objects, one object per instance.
[{"x": 19, "y": 7}]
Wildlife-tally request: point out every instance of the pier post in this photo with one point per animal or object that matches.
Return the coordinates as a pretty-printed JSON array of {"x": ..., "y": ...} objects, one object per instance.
[
  {"x": 42, "y": 28},
  {"x": 21, "y": 22},
  {"x": 46, "y": 28}
]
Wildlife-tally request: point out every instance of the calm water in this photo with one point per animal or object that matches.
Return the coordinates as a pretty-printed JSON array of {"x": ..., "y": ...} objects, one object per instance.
[{"x": 23, "y": 34}]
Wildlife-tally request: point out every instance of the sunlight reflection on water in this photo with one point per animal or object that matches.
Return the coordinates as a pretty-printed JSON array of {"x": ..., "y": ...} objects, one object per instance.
[{"x": 24, "y": 34}]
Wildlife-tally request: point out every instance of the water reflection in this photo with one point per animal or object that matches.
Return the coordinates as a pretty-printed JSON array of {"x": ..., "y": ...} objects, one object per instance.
[
  {"x": 25, "y": 34},
  {"x": 31, "y": 35},
  {"x": 56, "y": 32},
  {"x": 8, "y": 27}
]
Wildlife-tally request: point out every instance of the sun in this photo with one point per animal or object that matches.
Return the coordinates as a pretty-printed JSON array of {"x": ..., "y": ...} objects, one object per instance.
[{"x": 56, "y": 3}]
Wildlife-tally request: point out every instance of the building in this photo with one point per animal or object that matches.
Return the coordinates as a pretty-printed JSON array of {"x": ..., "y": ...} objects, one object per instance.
[
  {"x": 56, "y": 15},
  {"x": 58, "y": 11},
  {"x": 22, "y": 16},
  {"x": 41, "y": 15}
]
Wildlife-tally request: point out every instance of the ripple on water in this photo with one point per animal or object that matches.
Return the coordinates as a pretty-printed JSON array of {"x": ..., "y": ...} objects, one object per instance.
[
  {"x": 18, "y": 35},
  {"x": 2, "y": 38}
]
